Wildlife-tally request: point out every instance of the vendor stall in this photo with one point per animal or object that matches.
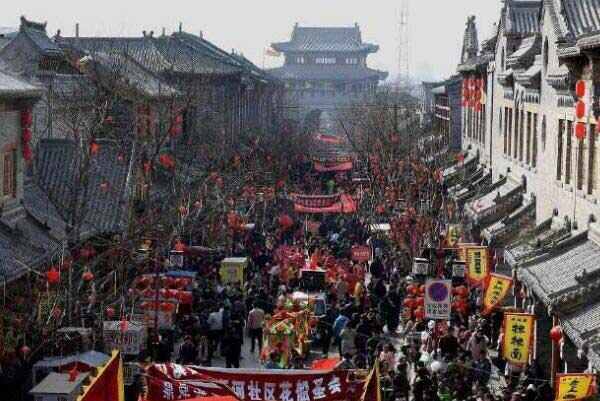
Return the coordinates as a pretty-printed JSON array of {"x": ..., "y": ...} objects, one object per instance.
[{"x": 233, "y": 270}]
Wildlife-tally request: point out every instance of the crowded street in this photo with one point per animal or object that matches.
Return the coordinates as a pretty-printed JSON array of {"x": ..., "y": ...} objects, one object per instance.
[{"x": 373, "y": 212}]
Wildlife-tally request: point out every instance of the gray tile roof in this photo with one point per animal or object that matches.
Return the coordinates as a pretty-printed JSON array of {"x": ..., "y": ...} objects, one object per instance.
[
  {"x": 557, "y": 275},
  {"x": 524, "y": 56},
  {"x": 582, "y": 16},
  {"x": 329, "y": 73},
  {"x": 325, "y": 39},
  {"x": 57, "y": 167},
  {"x": 523, "y": 16},
  {"x": 36, "y": 32},
  {"x": 583, "y": 328},
  {"x": 12, "y": 86}
]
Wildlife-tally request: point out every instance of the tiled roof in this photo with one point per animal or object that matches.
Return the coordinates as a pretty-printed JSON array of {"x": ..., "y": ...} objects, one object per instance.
[
  {"x": 325, "y": 39},
  {"x": 476, "y": 62},
  {"x": 557, "y": 275},
  {"x": 331, "y": 72},
  {"x": 523, "y": 16},
  {"x": 36, "y": 32},
  {"x": 135, "y": 76},
  {"x": 582, "y": 16},
  {"x": 583, "y": 328},
  {"x": 104, "y": 211},
  {"x": 525, "y": 54},
  {"x": 12, "y": 86}
]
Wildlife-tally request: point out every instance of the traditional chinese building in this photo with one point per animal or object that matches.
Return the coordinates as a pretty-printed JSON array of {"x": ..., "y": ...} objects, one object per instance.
[{"x": 326, "y": 67}]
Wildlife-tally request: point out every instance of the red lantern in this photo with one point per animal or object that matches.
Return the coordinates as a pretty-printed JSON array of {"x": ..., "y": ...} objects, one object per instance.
[
  {"x": 420, "y": 301},
  {"x": 94, "y": 148},
  {"x": 285, "y": 221},
  {"x": 179, "y": 246},
  {"x": 380, "y": 209},
  {"x": 87, "y": 276},
  {"x": 27, "y": 153},
  {"x": 409, "y": 303},
  {"x": 53, "y": 275},
  {"x": 26, "y": 118},
  {"x": 147, "y": 167},
  {"x": 422, "y": 289},
  {"x": 166, "y": 307},
  {"x": 580, "y": 109},
  {"x": 419, "y": 314},
  {"x": 110, "y": 312},
  {"x": 556, "y": 334},
  {"x": 166, "y": 161},
  {"x": 580, "y": 131},
  {"x": 462, "y": 291},
  {"x": 26, "y": 135},
  {"x": 25, "y": 350},
  {"x": 580, "y": 88},
  {"x": 124, "y": 325}
]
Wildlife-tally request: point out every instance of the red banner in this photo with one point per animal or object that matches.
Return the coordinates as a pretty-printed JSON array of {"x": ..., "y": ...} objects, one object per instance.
[
  {"x": 107, "y": 383},
  {"x": 342, "y": 204},
  {"x": 167, "y": 381},
  {"x": 335, "y": 167},
  {"x": 361, "y": 253}
]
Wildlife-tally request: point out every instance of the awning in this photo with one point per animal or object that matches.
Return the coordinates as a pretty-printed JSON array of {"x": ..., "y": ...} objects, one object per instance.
[
  {"x": 564, "y": 276},
  {"x": 482, "y": 209},
  {"x": 583, "y": 328},
  {"x": 534, "y": 242},
  {"x": 501, "y": 230},
  {"x": 333, "y": 139}
]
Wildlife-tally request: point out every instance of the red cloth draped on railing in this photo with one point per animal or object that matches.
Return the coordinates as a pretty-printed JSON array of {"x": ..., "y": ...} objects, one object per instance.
[
  {"x": 339, "y": 203},
  {"x": 333, "y": 167}
]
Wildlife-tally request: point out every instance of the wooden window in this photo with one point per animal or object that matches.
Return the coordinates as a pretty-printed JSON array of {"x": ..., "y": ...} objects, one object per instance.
[
  {"x": 534, "y": 144},
  {"x": 9, "y": 174},
  {"x": 592, "y": 169},
  {"x": 528, "y": 144},
  {"x": 569, "y": 150},
  {"x": 559, "y": 152}
]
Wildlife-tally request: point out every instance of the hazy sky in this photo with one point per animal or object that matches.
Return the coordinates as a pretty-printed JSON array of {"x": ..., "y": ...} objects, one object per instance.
[{"x": 436, "y": 26}]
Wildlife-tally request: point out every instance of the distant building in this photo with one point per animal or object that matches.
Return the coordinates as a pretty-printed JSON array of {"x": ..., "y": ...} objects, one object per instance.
[
  {"x": 447, "y": 121},
  {"x": 327, "y": 67}
]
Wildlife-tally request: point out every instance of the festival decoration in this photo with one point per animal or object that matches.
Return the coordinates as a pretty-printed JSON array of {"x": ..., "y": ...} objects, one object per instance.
[
  {"x": 580, "y": 129},
  {"x": 107, "y": 383},
  {"x": 53, "y": 275},
  {"x": 87, "y": 276},
  {"x": 477, "y": 265},
  {"x": 94, "y": 148},
  {"x": 518, "y": 337},
  {"x": 580, "y": 88},
  {"x": 438, "y": 299},
  {"x": 556, "y": 334},
  {"x": 574, "y": 386},
  {"x": 496, "y": 290}
]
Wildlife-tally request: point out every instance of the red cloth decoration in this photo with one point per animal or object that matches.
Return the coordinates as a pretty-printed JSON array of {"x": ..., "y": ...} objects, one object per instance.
[
  {"x": 580, "y": 88},
  {"x": 580, "y": 109},
  {"x": 580, "y": 129},
  {"x": 325, "y": 364}
]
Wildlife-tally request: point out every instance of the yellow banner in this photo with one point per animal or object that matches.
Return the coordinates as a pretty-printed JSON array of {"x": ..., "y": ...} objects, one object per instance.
[
  {"x": 495, "y": 292},
  {"x": 518, "y": 337},
  {"x": 477, "y": 265},
  {"x": 577, "y": 386},
  {"x": 462, "y": 250}
]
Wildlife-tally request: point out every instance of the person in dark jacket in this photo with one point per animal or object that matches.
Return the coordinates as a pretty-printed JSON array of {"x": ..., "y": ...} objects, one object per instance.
[{"x": 187, "y": 352}]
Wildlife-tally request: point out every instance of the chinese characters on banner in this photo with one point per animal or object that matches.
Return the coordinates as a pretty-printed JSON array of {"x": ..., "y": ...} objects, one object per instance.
[
  {"x": 420, "y": 267},
  {"x": 438, "y": 299},
  {"x": 462, "y": 250},
  {"x": 518, "y": 337},
  {"x": 495, "y": 292},
  {"x": 477, "y": 265},
  {"x": 577, "y": 386},
  {"x": 361, "y": 253},
  {"x": 171, "y": 382}
]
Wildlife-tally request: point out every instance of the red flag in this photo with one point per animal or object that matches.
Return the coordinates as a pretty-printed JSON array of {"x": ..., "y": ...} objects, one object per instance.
[{"x": 107, "y": 384}]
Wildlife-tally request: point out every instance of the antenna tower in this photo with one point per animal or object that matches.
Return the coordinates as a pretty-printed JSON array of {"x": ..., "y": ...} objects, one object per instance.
[{"x": 404, "y": 45}]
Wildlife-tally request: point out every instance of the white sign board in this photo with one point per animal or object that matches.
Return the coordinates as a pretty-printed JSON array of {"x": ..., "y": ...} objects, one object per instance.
[
  {"x": 130, "y": 341},
  {"x": 438, "y": 299},
  {"x": 420, "y": 267},
  {"x": 458, "y": 269}
]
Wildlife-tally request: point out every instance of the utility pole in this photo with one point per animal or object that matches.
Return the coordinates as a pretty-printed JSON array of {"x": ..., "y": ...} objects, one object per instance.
[{"x": 404, "y": 45}]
